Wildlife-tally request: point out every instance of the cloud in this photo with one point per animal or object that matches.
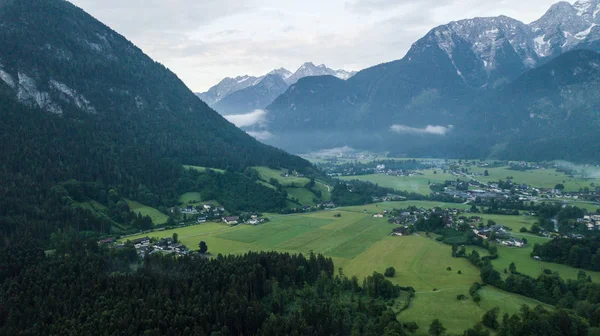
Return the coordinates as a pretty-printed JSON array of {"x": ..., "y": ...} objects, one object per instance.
[
  {"x": 256, "y": 117},
  {"x": 261, "y": 136},
  {"x": 429, "y": 129}
]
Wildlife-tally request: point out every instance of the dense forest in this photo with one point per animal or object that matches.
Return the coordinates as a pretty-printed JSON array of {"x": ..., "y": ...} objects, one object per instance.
[{"x": 89, "y": 290}]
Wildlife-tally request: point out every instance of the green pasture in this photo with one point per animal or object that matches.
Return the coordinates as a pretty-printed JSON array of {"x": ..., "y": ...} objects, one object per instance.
[
  {"x": 539, "y": 178},
  {"x": 416, "y": 183},
  {"x": 266, "y": 174},
  {"x": 203, "y": 169},
  {"x": 157, "y": 216},
  {"x": 360, "y": 244}
]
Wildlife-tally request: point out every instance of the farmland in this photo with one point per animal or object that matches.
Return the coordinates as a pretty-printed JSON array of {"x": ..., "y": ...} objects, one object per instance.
[
  {"x": 540, "y": 178},
  {"x": 360, "y": 244},
  {"x": 415, "y": 183}
]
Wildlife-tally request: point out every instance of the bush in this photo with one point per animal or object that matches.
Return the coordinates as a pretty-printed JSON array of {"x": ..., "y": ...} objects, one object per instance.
[
  {"x": 523, "y": 229},
  {"x": 390, "y": 272},
  {"x": 459, "y": 272},
  {"x": 461, "y": 297},
  {"x": 449, "y": 268},
  {"x": 411, "y": 326}
]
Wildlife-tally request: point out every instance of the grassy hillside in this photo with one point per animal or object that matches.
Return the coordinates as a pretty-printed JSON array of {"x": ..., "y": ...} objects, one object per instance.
[{"x": 157, "y": 216}]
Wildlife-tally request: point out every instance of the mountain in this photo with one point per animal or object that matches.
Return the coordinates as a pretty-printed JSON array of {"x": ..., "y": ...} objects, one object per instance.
[
  {"x": 226, "y": 87},
  {"x": 253, "y": 97},
  {"x": 563, "y": 27},
  {"x": 86, "y": 116},
  {"x": 310, "y": 69},
  {"x": 435, "y": 84},
  {"x": 244, "y": 94},
  {"x": 551, "y": 112}
]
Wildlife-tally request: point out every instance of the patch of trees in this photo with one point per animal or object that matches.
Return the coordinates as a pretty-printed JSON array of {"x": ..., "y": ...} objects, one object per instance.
[
  {"x": 581, "y": 295},
  {"x": 579, "y": 253},
  {"x": 256, "y": 293}
]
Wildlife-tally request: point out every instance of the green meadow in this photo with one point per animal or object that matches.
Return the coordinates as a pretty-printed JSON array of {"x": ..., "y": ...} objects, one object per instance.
[
  {"x": 540, "y": 178},
  {"x": 157, "y": 216},
  {"x": 203, "y": 169},
  {"x": 415, "y": 183},
  {"x": 360, "y": 244},
  {"x": 266, "y": 174}
]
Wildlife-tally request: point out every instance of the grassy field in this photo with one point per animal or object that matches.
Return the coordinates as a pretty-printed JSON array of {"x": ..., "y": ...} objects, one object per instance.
[
  {"x": 267, "y": 174},
  {"x": 304, "y": 196},
  {"x": 540, "y": 178},
  {"x": 157, "y": 216},
  {"x": 360, "y": 244},
  {"x": 417, "y": 183},
  {"x": 190, "y": 198},
  {"x": 203, "y": 169}
]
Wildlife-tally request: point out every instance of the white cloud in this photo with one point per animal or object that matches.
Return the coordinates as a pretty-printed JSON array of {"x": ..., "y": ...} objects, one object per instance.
[
  {"x": 261, "y": 136},
  {"x": 429, "y": 129},
  {"x": 256, "y": 117}
]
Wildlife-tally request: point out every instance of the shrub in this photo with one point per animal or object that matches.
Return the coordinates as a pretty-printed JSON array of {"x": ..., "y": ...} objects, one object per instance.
[
  {"x": 390, "y": 272},
  {"x": 449, "y": 268}
]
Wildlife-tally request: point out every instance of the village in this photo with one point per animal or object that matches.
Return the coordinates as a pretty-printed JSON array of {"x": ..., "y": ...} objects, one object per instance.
[{"x": 456, "y": 219}]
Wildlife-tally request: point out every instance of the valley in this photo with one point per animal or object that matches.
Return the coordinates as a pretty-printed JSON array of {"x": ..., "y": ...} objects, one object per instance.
[{"x": 450, "y": 190}]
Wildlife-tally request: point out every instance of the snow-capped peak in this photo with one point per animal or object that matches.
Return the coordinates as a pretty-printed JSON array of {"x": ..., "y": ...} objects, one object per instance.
[
  {"x": 588, "y": 9},
  {"x": 282, "y": 72}
]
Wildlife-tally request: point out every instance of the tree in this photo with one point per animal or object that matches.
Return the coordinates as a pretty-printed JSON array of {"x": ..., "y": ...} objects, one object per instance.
[
  {"x": 203, "y": 247},
  {"x": 490, "y": 318},
  {"x": 512, "y": 268},
  {"x": 411, "y": 326},
  {"x": 175, "y": 238},
  {"x": 390, "y": 272},
  {"x": 436, "y": 328},
  {"x": 477, "y": 330},
  {"x": 486, "y": 173},
  {"x": 559, "y": 187}
]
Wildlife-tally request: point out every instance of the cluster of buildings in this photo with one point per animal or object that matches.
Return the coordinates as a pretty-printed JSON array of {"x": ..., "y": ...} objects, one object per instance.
[
  {"x": 498, "y": 234},
  {"x": 145, "y": 246},
  {"x": 203, "y": 212},
  {"x": 591, "y": 221}
]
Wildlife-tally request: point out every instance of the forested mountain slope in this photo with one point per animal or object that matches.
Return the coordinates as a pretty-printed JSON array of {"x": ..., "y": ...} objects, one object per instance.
[{"x": 78, "y": 101}]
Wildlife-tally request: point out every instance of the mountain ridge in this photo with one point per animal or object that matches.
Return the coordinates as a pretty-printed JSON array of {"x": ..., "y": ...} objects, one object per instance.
[
  {"x": 218, "y": 96},
  {"x": 88, "y": 116},
  {"x": 435, "y": 83}
]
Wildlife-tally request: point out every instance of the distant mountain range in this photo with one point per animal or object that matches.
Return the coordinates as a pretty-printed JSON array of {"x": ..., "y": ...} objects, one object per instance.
[
  {"x": 428, "y": 97},
  {"x": 243, "y": 94}
]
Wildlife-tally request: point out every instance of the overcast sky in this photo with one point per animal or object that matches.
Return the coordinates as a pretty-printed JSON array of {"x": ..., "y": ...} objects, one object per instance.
[{"x": 203, "y": 41}]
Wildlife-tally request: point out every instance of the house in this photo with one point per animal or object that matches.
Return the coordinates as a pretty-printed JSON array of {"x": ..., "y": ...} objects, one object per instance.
[
  {"x": 231, "y": 220},
  {"x": 141, "y": 242},
  {"x": 379, "y": 215},
  {"x": 207, "y": 206},
  {"x": 106, "y": 241},
  {"x": 201, "y": 220}
]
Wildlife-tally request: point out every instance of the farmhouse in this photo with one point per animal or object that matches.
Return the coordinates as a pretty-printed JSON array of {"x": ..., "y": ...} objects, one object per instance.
[
  {"x": 141, "y": 242},
  {"x": 106, "y": 241},
  {"x": 231, "y": 220}
]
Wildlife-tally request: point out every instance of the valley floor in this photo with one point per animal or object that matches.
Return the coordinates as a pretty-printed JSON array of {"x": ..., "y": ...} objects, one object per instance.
[{"x": 360, "y": 244}]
